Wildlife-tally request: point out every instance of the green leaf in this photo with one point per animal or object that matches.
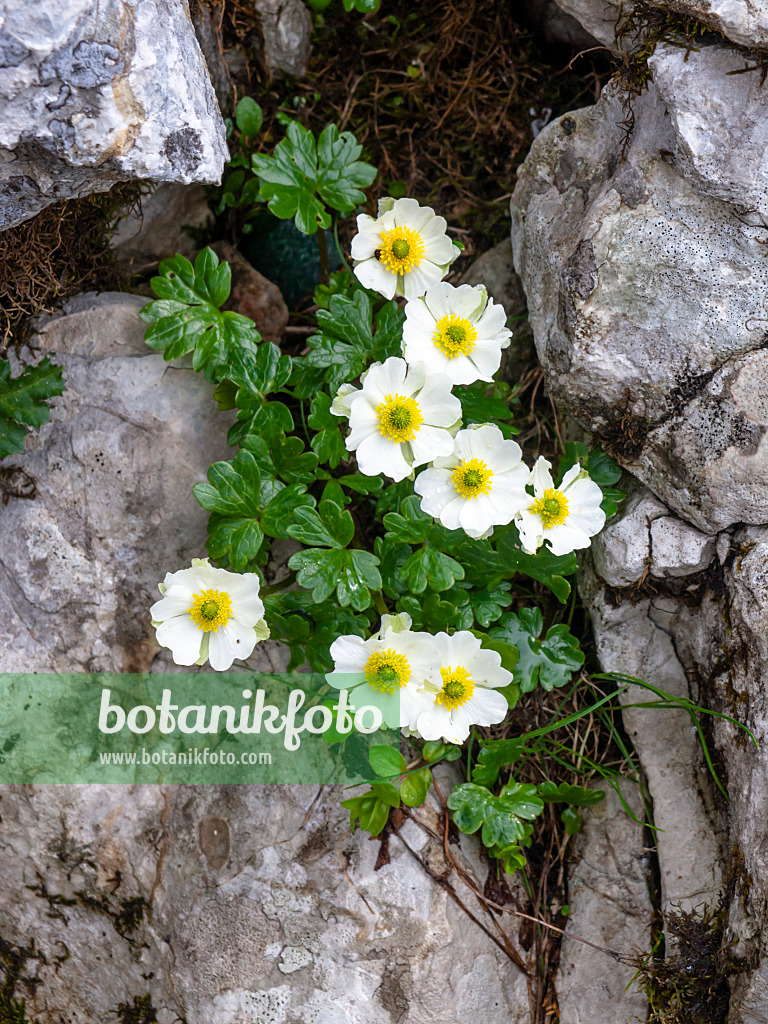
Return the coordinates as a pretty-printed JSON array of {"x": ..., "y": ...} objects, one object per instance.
[
  {"x": 386, "y": 761},
  {"x": 24, "y": 402},
  {"x": 350, "y": 574},
  {"x": 249, "y": 117},
  {"x": 501, "y": 817},
  {"x": 415, "y": 786},
  {"x": 362, "y": 484},
  {"x": 572, "y": 820},
  {"x": 544, "y": 566},
  {"x": 434, "y": 750},
  {"x": 233, "y": 496},
  {"x": 430, "y": 567},
  {"x": 302, "y": 175},
  {"x": 487, "y": 605},
  {"x": 387, "y": 792},
  {"x": 479, "y": 405},
  {"x": 187, "y": 318},
  {"x": 549, "y": 662},
  {"x": 493, "y": 757},
  {"x": 329, "y": 526},
  {"x": 283, "y": 508},
  {"x": 369, "y": 810},
  {"x": 577, "y": 796},
  {"x": 410, "y": 527}
]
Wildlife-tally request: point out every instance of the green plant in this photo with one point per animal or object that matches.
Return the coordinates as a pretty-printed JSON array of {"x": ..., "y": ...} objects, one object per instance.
[{"x": 24, "y": 402}]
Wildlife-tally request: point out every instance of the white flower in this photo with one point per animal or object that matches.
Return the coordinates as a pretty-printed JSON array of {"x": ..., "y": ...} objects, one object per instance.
[
  {"x": 400, "y": 418},
  {"x": 403, "y": 251},
  {"x": 209, "y": 614},
  {"x": 465, "y": 694},
  {"x": 566, "y": 517},
  {"x": 481, "y": 484},
  {"x": 457, "y": 331},
  {"x": 389, "y": 670}
]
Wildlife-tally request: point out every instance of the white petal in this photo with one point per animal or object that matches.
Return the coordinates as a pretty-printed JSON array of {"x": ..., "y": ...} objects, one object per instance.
[
  {"x": 223, "y": 649},
  {"x": 429, "y": 443},
  {"x": 564, "y": 539},
  {"x": 421, "y": 279},
  {"x": 439, "y": 407},
  {"x": 434, "y": 723},
  {"x": 372, "y": 274},
  {"x": 387, "y": 378},
  {"x": 489, "y": 706},
  {"x": 378, "y": 455},
  {"x": 408, "y": 213},
  {"x": 365, "y": 244},
  {"x": 531, "y": 531},
  {"x": 541, "y": 476},
  {"x": 438, "y": 249},
  {"x": 183, "y": 638},
  {"x": 177, "y": 601}
]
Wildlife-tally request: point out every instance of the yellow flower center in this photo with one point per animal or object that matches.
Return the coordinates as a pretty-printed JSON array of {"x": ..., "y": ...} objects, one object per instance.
[
  {"x": 472, "y": 478},
  {"x": 399, "y": 418},
  {"x": 210, "y": 609},
  {"x": 454, "y": 336},
  {"x": 458, "y": 687},
  {"x": 551, "y": 508},
  {"x": 401, "y": 250},
  {"x": 387, "y": 671}
]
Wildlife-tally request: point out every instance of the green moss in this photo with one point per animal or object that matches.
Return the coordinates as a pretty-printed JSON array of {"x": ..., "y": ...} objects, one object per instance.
[
  {"x": 687, "y": 982},
  {"x": 140, "y": 1011},
  {"x": 12, "y": 961}
]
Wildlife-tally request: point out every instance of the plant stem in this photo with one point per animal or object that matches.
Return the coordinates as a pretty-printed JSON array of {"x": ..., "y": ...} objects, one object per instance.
[{"x": 325, "y": 266}]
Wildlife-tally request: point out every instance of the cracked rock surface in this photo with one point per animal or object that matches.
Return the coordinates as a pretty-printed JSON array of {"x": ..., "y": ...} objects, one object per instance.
[
  {"x": 642, "y": 258},
  {"x": 96, "y": 93},
  {"x": 646, "y": 279}
]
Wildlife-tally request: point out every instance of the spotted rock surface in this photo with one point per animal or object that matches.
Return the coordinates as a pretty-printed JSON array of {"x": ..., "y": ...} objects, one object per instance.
[
  {"x": 96, "y": 93},
  {"x": 643, "y": 259}
]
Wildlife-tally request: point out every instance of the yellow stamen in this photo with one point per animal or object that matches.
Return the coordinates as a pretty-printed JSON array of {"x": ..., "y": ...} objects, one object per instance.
[
  {"x": 551, "y": 508},
  {"x": 387, "y": 671},
  {"x": 454, "y": 336},
  {"x": 401, "y": 250},
  {"x": 458, "y": 687},
  {"x": 472, "y": 478},
  {"x": 399, "y": 418},
  {"x": 210, "y": 609}
]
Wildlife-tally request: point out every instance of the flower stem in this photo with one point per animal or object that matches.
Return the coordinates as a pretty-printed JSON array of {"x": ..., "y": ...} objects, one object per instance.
[{"x": 325, "y": 266}]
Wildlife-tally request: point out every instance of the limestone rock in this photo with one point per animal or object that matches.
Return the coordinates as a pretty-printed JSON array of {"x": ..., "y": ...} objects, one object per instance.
[
  {"x": 744, "y": 22},
  {"x": 634, "y": 639},
  {"x": 96, "y": 93},
  {"x": 623, "y": 549},
  {"x": 254, "y": 295},
  {"x": 678, "y": 549},
  {"x": 598, "y": 17},
  {"x": 286, "y": 26},
  {"x": 246, "y": 903},
  {"x": 611, "y": 906},
  {"x": 158, "y": 228},
  {"x": 547, "y": 19},
  {"x": 114, "y": 510},
  {"x": 646, "y": 280}
]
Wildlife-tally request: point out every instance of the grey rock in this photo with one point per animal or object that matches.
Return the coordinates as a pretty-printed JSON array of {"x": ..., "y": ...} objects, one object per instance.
[
  {"x": 286, "y": 26},
  {"x": 635, "y": 639},
  {"x": 552, "y": 23},
  {"x": 96, "y": 93},
  {"x": 622, "y": 551},
  {"x": 744, "y": 22},
  {"x": 610, "y": 905},
  {"x": 114, "y": 511},
  {"x": 258, "y": 905},
  {"x": 598, "y": 17},
  {"x": 158, "y": 227},
  {"x": 646, "y": 278},
  {"x": 678, "y": 549}
]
